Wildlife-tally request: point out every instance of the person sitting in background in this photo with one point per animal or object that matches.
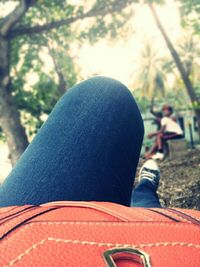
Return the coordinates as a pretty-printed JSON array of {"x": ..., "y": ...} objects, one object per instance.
[{"x": 170, "y": 129}]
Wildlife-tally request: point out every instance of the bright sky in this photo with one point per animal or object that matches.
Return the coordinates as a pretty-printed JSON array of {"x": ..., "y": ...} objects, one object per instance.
[{"x": 120, "y": 60}]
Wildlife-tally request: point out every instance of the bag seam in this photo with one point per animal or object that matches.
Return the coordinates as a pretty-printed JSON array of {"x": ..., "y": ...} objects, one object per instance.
[{"x": 79, "y": 242}]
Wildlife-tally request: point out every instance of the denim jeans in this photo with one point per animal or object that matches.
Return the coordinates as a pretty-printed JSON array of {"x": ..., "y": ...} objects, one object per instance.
[
  {"x": 87, "y": 150},
  {"x": 145, "y": 195}
]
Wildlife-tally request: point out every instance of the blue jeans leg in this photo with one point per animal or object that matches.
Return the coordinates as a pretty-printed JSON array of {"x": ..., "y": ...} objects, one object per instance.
[
  {"x": 144, "y": 195},
  {"x": 88, "y": 149}
]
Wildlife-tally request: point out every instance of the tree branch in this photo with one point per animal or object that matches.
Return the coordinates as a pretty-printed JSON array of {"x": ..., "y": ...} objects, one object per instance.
[
  {"x": 11, "y": 19},
  {"x": 42, "y": 28},
  {"x": 95, "y": 11}
]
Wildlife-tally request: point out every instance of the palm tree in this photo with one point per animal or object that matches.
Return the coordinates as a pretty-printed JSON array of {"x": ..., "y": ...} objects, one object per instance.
[
  {"x": 149, "y": 77},
  {"x": 179, "y": 64}
]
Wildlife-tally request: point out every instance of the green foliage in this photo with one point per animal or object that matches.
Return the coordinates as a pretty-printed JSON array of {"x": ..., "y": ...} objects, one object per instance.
[
  {"x": 190, "y": 14},
  {"x": 37, "y": 98},
  {"x": 150, "y": 77},
  {"x": 155, "y": 1},
  {"x": 142, "y": 102},
  {"x": 109, "y": 26},
  {"x": 189, "y": 51}
]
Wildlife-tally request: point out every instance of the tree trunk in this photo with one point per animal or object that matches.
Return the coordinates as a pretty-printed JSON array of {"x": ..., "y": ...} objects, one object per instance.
[
  {"x": 9, "y": 115},
  {"x": 189, "y": 87},
  {"x": 197, "y": 113}
]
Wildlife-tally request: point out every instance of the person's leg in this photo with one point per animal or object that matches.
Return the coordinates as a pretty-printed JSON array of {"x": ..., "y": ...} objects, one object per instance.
[
  {"x": 159, "y": 140},
  {"x": 88, "y": 149},
  {"x": 162, "y": 139},
  {"x": 170, "y": 135},
  {"x": 152, "y": 150},
  {"x": 160, "y": 147},
  {"x": 145, "y": 195}
]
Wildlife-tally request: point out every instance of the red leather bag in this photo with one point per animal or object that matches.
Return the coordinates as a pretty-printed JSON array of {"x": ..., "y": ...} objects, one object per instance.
[{"x": 98, "y": 234}]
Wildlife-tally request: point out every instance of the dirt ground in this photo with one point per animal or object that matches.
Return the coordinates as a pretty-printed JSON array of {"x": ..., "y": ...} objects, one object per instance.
[{"x": 180, "y": 181}]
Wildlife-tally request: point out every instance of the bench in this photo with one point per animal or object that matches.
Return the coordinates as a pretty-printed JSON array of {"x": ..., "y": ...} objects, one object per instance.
[{"x": 176, "y": 148}]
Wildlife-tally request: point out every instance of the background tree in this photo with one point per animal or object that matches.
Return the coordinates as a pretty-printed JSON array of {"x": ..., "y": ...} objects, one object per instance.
[
  {"x": 189, "y": 50},
  {"x": 150, "y": 77},
  {"x": 180, "y": 66},
  {"x": 23, "y": 32}
]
